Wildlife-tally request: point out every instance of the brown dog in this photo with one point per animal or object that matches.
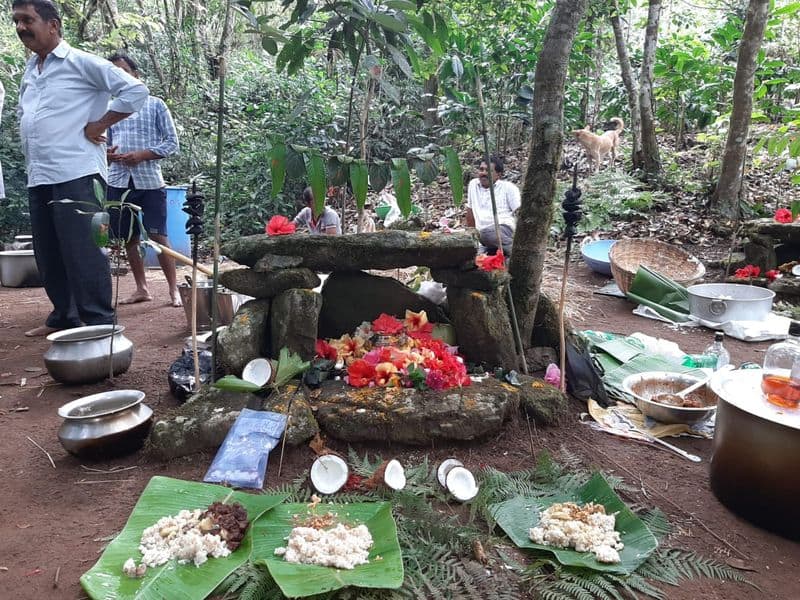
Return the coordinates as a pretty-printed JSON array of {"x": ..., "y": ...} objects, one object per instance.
[{"x": 599, "y": 146}]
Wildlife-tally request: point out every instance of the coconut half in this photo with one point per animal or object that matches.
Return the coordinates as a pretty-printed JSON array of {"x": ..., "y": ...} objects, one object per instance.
[
  {"x": 394, "y": 476},
  {"x": 461, "y": 483},
  {"x": 444, "y": 469},
  {"x": 258, "y": 371},
  {"x": 329, "y": 474}
]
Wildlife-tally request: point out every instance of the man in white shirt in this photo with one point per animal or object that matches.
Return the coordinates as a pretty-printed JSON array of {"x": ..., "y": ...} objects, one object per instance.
[
  {"x": 64, "y": 113},
  {"x": 479, "y": 207}
]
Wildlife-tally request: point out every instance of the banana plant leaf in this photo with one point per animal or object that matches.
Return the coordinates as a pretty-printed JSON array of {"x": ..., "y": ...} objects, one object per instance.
[
  {"x": 517, "y": 515},
  {"x": 385, "y": 566},
  {"x": 359, "y": 174},
  {"x": 454, "y": 174},
  {"x": 401, "y": 179},
  {"x": 667, "y": 297},
  {"x": 315, "y": 170},
  {"x": 165, "y": 496}
]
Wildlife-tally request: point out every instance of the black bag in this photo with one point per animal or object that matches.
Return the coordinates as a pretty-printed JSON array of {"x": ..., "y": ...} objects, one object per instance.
[
  {"x": 181, "y": 373},
  {"x": 584, "y": 375}
]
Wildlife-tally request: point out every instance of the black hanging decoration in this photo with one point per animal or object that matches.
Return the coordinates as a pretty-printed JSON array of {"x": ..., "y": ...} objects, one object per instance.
[
  {"x": 194, "y": 207},
  {"x": 572, "y": 207}
]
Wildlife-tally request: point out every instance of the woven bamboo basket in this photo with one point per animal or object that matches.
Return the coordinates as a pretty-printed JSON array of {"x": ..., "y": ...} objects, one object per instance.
[{"x": 626, "y": 256}]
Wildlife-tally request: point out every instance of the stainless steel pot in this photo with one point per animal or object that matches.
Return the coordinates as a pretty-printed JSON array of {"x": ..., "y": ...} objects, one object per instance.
[
  {"x": 643, "y": 386},
  {"x": 721, "y": 302},
  {"x": 228, "y": 303},
  {"x": 756, "y": 454},
  {"x": 105, "y": 424},
  {"x": 18, "y": 269},
  {"x": 81, "y": 355}
]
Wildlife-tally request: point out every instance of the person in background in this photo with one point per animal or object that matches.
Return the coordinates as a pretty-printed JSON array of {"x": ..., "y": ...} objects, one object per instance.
[
  {"x": 2, "y": 100},
  {"x": 63, "y": 113},
  {"x": 135, "y": 149},
  {"x": 328, "y": 222},
  {"x": 479, "y": 207}
]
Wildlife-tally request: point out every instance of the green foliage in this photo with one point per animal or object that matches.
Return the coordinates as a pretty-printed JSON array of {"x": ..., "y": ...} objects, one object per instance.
[{"x": 609, "y": 196}]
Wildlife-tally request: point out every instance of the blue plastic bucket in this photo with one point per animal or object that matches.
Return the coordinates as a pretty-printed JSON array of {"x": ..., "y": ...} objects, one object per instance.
[{"x": 176, "y": 226}]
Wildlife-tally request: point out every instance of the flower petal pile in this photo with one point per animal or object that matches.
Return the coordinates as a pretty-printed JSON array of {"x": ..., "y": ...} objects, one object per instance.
[
  {"x": 491, "y": 263},
  {"x": 783, "y": 215},
  {"x": 392, "y": 353},
  {"x": 747, "y": 272}
]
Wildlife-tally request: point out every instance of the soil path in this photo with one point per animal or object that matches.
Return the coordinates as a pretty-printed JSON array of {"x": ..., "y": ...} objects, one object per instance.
[{"x": 54, "y": 522}]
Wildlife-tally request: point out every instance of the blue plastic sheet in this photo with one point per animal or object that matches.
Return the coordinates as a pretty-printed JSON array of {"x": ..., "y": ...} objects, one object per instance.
[{"x": 241, "y": 461}]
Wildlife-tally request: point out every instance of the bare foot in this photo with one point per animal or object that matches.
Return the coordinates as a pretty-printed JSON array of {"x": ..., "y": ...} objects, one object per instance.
[
  {"x": 137, "y": 297},
  {"x": 175, "y": 299},
  {"x": 42, "y": 330}
]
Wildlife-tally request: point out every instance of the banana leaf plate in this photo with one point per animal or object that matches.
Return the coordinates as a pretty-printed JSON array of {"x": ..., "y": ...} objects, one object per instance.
[
  {"x": 385, "y": 566},
  {"x": 165, "y": 496},
  {"x": 517, "y": 515}
]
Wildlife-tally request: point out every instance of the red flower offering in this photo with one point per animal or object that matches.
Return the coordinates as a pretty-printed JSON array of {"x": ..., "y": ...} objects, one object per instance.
[
  {"x": 491, "y": 263},
  {"x": 783, "y": 215},
  {"x": 326, "y": 351},
  {"x": 360, "y": 373},
  {"x": 747, "y": 272},
  {"x": 279, "y": 225},
  {"x": 387, "y": 325},
  {"x": 772, "y": 274}
]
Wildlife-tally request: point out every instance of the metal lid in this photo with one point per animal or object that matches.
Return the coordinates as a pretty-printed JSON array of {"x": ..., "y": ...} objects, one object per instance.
[{"x": 794, "y": 329}]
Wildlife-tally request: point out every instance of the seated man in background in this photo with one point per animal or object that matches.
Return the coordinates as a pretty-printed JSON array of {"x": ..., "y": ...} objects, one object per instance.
[
  {"x": 479, "y": 207},
  {"x": 327, "y": 223}
]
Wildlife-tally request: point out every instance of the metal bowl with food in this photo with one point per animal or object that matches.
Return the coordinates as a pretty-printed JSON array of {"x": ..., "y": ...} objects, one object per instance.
[{"x": 654, "y": 394}]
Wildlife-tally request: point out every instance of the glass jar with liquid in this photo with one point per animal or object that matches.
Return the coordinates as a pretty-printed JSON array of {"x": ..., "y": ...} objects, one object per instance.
[{"x": 781, "y": 379}]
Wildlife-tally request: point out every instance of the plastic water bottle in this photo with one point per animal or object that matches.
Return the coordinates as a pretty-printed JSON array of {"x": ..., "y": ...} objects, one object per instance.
[{"x": 718, "y": 350}]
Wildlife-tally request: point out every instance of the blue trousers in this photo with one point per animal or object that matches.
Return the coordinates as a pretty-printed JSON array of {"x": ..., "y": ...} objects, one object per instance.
[{"x": 75, "y": 273}]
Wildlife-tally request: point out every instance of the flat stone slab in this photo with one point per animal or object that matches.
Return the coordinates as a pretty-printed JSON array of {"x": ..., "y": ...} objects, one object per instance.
[
  {"x": 414, "y": 417},
  {"x": 268, "y": 285},
  {"x": 354, "y": 252},
  {"x": 787, "y": 232}
]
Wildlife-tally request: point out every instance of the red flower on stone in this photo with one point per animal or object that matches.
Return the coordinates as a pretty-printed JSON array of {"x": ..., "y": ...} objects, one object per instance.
[
  {"x": 783, "y": 215},
  {"x": 747, "y": 272},
  {"x": 279, "y": 225},
  {"x": 772, "y": 274},
  {"x": 491, "y": 263},
  {"x": 326, "y": 351},
  {"x": 387, "y": 325},
  {"x": 436, "y": 380},
  {"x": 360, "y": 373}
]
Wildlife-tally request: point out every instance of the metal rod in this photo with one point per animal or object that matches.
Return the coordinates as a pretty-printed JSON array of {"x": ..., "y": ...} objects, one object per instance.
[{"x": 217, "y": 196}]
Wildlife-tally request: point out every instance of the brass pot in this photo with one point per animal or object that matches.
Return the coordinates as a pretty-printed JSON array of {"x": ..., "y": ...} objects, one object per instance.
[{"x": 106, "y": 424}]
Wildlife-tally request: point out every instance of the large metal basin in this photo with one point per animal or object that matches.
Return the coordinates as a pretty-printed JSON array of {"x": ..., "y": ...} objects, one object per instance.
[
  {"x": 106, "y": 424},
  {"x": 643, "y": 386},
  {"x": 81, "y": 355},
  {"x": 721, "y": 302},
  {"x": 756, "y": 454},
  {"x": 18, "y": 269}
]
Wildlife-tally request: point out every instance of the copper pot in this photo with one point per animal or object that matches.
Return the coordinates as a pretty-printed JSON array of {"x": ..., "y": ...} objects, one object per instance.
[{"x": 756, "y": 454}]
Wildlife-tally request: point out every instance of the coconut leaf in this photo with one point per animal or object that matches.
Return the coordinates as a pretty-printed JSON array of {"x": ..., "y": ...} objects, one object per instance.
[
  {"x": 315, "y": 169},
  {"x": 385, "y": 566},
  {"x": 517, "y": 515},
  {"x": 277, "y": 165},
  {"x": 164, "y": 496},
  {"x": 401, "y": 179},
  {"x": 359, "y": 175},
  {"x": 454, "y": 174}
]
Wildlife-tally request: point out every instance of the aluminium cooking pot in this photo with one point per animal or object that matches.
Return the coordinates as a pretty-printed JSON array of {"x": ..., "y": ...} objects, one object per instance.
[
  {"x": 756, "y": 454},
  {"x": 81, "y": 354},
  {"x": 721, "y": 302}
]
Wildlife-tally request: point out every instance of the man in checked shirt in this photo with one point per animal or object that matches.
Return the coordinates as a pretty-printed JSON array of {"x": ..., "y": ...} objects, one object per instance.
[{"x": 135, "y": 148}]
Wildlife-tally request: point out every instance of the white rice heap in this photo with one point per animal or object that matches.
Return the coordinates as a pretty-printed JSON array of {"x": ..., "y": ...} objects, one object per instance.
[
  {"x": 341, "y": 547},
  {"x": 586, "y": 528},
  {"x": 179, "y": 536}
]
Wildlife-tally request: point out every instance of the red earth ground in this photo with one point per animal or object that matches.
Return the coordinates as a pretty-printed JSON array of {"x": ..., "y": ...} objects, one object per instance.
[{"x": 55, "y": 521}]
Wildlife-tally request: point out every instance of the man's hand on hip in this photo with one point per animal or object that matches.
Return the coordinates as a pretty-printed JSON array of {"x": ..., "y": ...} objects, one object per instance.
[{"x": 95, "y": 132}]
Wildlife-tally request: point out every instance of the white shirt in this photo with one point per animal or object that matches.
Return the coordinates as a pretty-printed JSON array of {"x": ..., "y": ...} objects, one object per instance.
[
  {"x": 73, "y": 89},
  {"x": 506, "y": 196}
]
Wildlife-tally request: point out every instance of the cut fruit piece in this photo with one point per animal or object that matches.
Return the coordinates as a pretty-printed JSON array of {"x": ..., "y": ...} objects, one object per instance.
[
  {"x": 444, "y": 469},
  {"x": 390, "y": 473},
  {"x": 461, "y": 483},
  {"x": 258, "y": 371},
  {"x": 395, "y": 475},
  {"x": 328, "y": 474}
]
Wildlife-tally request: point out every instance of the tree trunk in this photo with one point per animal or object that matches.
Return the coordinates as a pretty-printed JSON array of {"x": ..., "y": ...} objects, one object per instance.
[
  {"x": 597, "y": 76},
  {"x": 628, "y": 78},
  {"x": 430, "y": 102},
  {"x": 652, "y": 161},
  {"x": 544, "y": 160},
  {"x": 726, "y": 196}
]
